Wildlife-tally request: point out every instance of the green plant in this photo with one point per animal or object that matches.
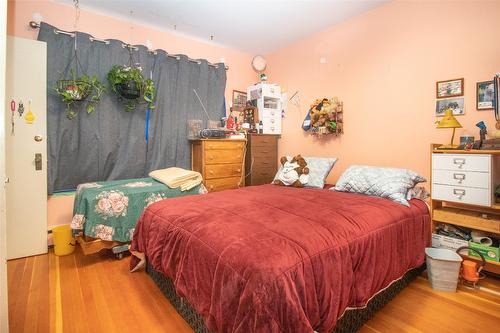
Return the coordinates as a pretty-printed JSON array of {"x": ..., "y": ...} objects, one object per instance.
[
  {"x": 78, "y": 89},
  {"x": 120, "y": 75}
]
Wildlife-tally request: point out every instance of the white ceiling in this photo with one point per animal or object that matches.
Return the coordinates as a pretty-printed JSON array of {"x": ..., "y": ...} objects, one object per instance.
[{"x": 252, "y": 26}]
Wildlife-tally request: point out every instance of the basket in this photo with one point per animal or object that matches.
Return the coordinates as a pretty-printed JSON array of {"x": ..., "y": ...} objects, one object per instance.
[
  {"x": 129, "y": 90},
  {"x": 78, "y": 90},
  {"x": 443, "y": 267}
]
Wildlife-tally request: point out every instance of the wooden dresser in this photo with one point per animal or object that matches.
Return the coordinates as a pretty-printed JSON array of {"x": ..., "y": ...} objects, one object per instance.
[
  {"x": 220, "y": 162},
  {"x": 463, "y": 185},
  {"x": 261, "y": 160}
]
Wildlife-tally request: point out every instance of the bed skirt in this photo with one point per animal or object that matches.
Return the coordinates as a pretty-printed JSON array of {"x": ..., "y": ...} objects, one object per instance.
[{"x": 351, "y": 321}]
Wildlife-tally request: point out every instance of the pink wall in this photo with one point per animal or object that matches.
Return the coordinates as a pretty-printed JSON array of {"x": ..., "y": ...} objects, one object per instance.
[
  {"x": 239, "y": 76},
  {"x": 384, "y": 65}
]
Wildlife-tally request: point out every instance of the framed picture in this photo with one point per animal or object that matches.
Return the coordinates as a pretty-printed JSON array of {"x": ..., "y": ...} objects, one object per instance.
[
  {"x": 239, "y": 100},
  {"x": 485, "y": 95},
  {"x": 450, "y": 88},
  {"x": 456, "y": 104}
]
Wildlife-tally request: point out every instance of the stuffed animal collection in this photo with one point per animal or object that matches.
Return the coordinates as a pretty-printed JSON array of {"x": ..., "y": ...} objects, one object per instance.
[
  {"x": 294, "y": 172},
  {"x": 326, "y": 116}
]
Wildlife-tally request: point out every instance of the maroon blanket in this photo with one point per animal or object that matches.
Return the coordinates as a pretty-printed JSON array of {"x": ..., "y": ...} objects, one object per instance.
[{"x": 278, "y": 259}]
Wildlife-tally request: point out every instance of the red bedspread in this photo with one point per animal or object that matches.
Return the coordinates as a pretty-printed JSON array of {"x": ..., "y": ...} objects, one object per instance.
[{"x": 278, "y": 259}]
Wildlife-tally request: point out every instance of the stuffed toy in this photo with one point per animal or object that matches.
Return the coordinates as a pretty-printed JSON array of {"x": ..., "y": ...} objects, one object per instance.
[{"x": 293, "y": 173}]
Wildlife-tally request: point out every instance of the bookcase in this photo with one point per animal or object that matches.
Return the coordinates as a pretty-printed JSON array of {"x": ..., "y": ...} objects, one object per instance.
[{"x": 462, "y": 191}]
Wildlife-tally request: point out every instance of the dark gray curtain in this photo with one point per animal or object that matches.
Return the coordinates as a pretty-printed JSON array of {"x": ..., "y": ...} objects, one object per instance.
[{"x": 109, "y": 143}]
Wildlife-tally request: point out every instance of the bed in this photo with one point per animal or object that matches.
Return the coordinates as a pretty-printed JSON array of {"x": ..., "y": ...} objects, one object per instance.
[
  {"x": 105, "y": 213},
  {"x": 278, "y": 259}
]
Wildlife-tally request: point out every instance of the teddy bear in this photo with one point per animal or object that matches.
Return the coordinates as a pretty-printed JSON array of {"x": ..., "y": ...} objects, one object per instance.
[{"x": 293, "y": 173}]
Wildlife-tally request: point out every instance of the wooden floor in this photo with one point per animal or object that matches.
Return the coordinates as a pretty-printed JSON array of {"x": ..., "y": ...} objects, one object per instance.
[{"x": 96, "y": 293}]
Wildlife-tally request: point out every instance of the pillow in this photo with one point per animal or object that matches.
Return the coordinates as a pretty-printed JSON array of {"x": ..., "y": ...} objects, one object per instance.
[
  {"x": 319, "y": 168},
  {"x": 390, "y": 183},
  {"x": 418, "y": 192}
]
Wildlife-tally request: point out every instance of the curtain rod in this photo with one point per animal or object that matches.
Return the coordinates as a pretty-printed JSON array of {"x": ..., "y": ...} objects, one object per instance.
[{"x": 35, "y": 25}]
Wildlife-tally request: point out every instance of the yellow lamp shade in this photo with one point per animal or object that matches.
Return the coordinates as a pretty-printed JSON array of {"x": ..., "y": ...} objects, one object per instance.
[{"x": 448, "y": 121}]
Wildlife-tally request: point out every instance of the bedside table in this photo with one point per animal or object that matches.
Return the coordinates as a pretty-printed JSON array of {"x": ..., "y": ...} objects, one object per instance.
[{"x": 462, "y": 191}]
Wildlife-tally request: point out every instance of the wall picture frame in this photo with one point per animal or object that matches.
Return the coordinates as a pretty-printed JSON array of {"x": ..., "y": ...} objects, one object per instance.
[
  {"x": 450, "y": 88},
  {"x": 239, "y": 100},
  {"x": 456, "y": 104},
  {"x": 485, "y": 95}
]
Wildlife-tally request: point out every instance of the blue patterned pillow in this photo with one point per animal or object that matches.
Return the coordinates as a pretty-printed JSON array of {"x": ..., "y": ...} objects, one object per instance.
[
  {"x": 390, "y": 183},
  {"x": 319, "y": 168}
]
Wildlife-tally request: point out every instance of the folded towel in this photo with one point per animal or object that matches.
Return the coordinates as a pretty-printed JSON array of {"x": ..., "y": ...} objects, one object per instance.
[{"x": 177, "y": 177}]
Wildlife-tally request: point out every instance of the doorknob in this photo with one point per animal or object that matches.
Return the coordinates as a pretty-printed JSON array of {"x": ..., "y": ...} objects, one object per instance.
[
  {"x": 38, "y": 161},
  {"x": 38, "y": 138}
]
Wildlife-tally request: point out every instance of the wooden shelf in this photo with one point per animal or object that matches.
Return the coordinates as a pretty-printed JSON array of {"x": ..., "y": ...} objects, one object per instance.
[
  {"x": 473, "y": 151},
  {"x": 467, "y": 218}
]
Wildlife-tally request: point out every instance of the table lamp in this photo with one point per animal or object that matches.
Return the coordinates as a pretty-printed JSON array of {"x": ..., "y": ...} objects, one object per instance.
[{"x": 449, "y": 121}]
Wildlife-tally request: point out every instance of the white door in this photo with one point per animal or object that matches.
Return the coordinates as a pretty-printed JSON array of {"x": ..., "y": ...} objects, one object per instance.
[{"x": 26, "y": 190}]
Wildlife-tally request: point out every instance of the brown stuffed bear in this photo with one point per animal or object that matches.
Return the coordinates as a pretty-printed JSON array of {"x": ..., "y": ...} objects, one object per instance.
[{"x": 293, "y": 173}]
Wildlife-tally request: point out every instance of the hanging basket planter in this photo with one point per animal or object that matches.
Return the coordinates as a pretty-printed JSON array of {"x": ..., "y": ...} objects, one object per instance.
[
  {"x": 128, "y": 90},
  {"x": 129, "y": 83},
  {"x": 74, "y": 90}
]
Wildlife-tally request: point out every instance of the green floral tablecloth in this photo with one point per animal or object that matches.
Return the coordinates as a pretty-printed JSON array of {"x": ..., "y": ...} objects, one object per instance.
[{"x": 110, "y": 210}]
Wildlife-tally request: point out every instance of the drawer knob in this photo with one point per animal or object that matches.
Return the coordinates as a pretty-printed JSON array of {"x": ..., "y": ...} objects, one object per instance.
[
  {"x": 459, "y": 176},
  {"x": 459, "y": 193},
  {"x": 211, "y": 172},
  {"x": 238, "y": 170},
  {"x": 459, "y": 161}
]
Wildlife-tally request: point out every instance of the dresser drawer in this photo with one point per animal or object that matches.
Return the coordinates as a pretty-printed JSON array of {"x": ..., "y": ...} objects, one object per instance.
[
  {"x": 231, "y": 156},
  {"x": 213, "y": 185},
  {"x": 264, "y": 162},
  {"x": 222, "y": 171},
  {"x": 466, "y": 195},
  {"x": 262, "y": 175},
  {"x": 461, "y": 178},
  {"x": 461, "y": 162},
  {"x": 268, "y": 141},
  {"x": 265, "y": 152},
  {"x": 224, "y": 145}
]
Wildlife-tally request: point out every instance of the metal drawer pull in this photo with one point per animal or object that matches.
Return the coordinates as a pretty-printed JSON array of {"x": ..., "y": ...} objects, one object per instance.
[
  {"x": 459, "y": 176},
  {"x": 459, "y": 193},
  {"x": 459, "y": 161}
]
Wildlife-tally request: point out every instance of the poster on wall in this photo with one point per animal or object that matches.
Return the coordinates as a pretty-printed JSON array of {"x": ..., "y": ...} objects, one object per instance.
[
  {"x": 450, "y": 88},
  {"x": 485, "y": 94},
  {"x": 456, "y": 104}
]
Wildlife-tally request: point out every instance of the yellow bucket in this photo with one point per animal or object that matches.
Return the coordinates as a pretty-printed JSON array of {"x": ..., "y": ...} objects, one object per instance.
[{"x": 64, "y": 242}]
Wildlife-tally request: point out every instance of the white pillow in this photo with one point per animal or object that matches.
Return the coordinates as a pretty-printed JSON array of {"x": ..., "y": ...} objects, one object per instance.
[{"x": 390, "y": 183}]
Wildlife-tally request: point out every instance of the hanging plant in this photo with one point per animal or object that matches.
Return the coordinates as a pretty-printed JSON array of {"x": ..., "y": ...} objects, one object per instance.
[
  {"x": 129, "y": 83},
  {"x": 79, "y": 89}
]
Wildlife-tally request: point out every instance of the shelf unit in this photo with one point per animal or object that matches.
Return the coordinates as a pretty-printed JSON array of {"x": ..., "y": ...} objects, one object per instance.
[{"x": 476, "y": 217}]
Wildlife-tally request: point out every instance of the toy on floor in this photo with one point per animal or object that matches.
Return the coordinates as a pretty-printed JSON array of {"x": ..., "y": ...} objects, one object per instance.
[
  {"x": 470, "y": 271},
  {"x": 293, "y": 173}
]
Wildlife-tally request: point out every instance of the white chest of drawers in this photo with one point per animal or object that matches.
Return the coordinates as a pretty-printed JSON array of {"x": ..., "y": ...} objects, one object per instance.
[{"x": 462, "y": 178}]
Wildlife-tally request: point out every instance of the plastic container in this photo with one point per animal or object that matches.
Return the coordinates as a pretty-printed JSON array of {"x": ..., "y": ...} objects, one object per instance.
[
  {"x": 64, "y": 242},
  {"x": 443, "y": 266}
]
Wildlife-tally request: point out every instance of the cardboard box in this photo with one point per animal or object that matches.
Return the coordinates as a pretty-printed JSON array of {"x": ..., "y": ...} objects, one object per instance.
[
  {"x": 489, "y": 252},
  {"x": 448, "y": 242}
]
